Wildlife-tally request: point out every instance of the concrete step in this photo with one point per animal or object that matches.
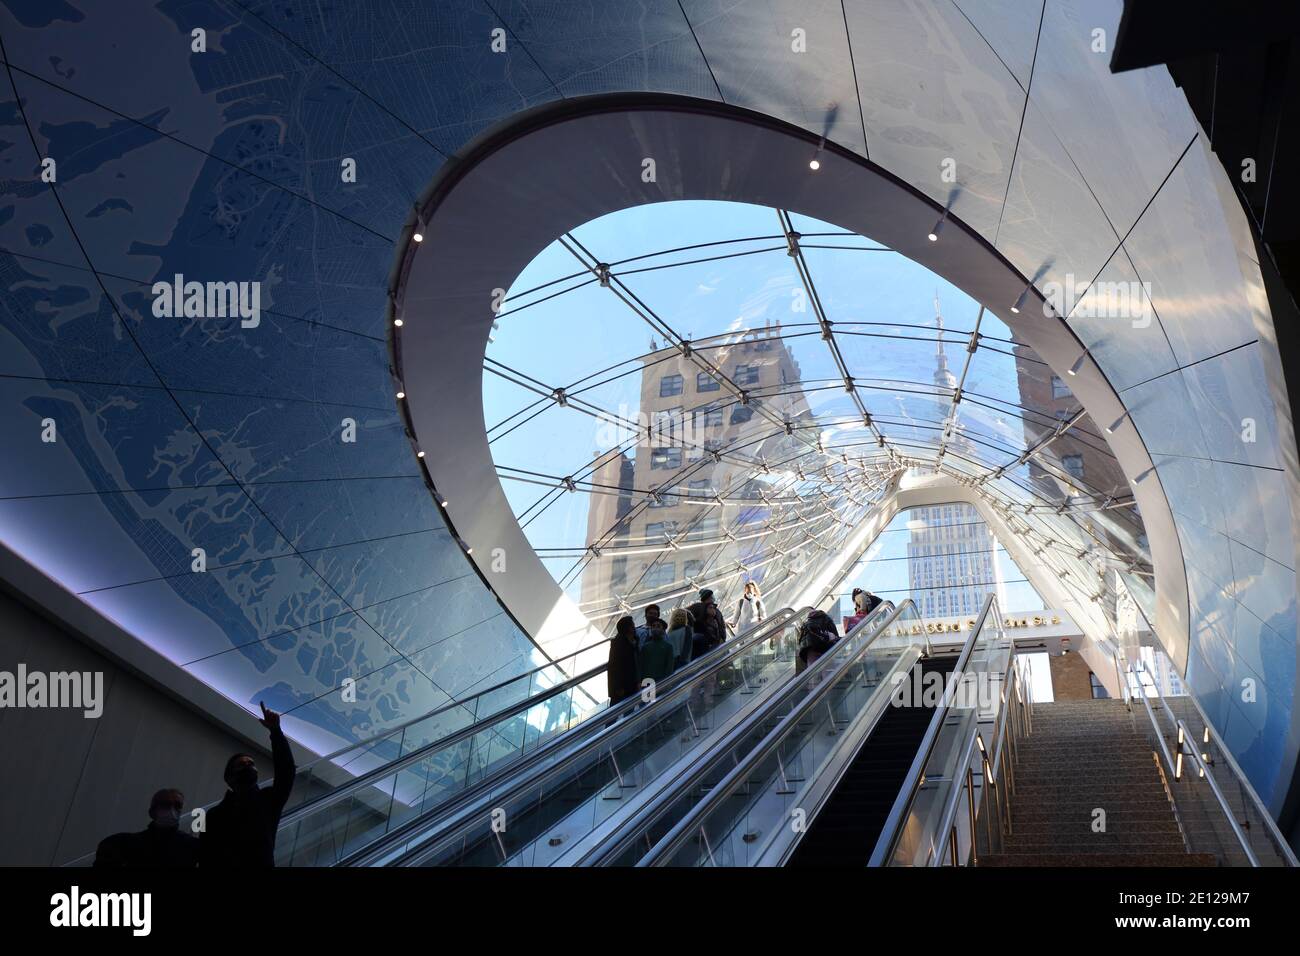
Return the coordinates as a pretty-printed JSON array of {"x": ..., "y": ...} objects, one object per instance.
[
  {"x": 1027, "y": 793},
  {"x": 1091, "y": 762},
  {"x": 1079, "y": 829},
  {"x": 1063, "y": 859},
  {"x": 1125, "y": 813},
  {"x": 1127, "y": 843},
  {"x": 1103, "y": 744}
]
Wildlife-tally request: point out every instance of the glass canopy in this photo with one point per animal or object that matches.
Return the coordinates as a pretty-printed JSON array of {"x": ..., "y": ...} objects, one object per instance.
[{"x": 733, "y": 407}]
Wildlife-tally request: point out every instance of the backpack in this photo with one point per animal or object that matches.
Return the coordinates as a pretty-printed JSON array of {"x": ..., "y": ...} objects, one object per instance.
[{"x": 817, "y": 633}]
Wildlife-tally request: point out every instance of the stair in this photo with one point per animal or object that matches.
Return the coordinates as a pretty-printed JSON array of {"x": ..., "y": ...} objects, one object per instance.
[
  {"x": 844, "y": 832},
  {"x": 1083, "y": 756}
]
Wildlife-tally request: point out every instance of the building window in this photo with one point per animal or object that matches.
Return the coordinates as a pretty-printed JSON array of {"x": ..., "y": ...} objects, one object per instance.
[
  {"x": 691, "y": 569},
  {"x": 663, "y": 501},
  {"x": 701, "y": 488},
  {"x": 1098, "y": 690},
  {"x": 708, "y": 416},
  {"x": 1073, "y": 464},
  {"x": 741, "y": 414},
  {"x": 660, "y": 530},
  {"x": 704, "y": 382},
  {"x": 660, "y": 575},
  {"x": 746, "y": 375},
  {"x": 670, "y": 385},
  {"x": 706, "y": 528},
  {"x": 1059, "y": 388},
  {"x": 666, "y": 458}
]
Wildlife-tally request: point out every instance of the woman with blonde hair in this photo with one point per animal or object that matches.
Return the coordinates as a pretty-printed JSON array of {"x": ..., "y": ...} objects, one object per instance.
[
  {"x": 679, "y": 636},
  {"x": 751, "y": 610}
]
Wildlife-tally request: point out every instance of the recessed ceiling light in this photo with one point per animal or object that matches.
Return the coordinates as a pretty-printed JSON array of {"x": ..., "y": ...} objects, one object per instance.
[
  {"x": 938, "y": 227},
  {"x": 1020, "y": 302},
  {"x": 814, "y": 164}
]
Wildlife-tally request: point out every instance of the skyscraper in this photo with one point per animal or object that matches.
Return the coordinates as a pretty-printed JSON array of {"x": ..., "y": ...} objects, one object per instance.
[{"x": 951, "y": 562}]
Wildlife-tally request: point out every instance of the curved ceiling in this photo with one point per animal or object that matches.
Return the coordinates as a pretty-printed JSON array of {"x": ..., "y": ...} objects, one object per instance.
[{"x": 329, "y": 560}]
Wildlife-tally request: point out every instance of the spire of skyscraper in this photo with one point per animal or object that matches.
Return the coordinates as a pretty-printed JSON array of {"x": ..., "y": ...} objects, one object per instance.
[{"x": 942, "y": 377}]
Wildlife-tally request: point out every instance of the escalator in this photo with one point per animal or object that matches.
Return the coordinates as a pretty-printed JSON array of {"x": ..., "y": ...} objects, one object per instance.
[
  {"x": 550, "y": 806},
  {"x": 724, "y": 808},
  {"x": 863, "y": 771},
  {"x": 346, "y": 801},
  {"x": 846, "y": 829}
]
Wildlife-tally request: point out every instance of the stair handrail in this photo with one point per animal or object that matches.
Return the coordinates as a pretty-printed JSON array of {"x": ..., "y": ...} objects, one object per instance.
[
  {"x": 1155, "y": 725},
  {"x": 1184, "y": 734},
  {"x": 1243, "y": 781},
  {"x": 682, "y": 830},
  {"x": 1184, "y": 745},
  {"x": 915, "y": 775}
]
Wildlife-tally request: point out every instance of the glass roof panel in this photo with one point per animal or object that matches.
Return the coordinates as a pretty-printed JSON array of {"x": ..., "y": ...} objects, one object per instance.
[{"x": 728, "y": 404}]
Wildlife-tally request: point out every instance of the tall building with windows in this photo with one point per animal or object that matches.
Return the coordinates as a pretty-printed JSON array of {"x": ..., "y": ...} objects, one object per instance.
[
  {"x": 669, "y": 482},
  {"x": 951, "y": 560}
]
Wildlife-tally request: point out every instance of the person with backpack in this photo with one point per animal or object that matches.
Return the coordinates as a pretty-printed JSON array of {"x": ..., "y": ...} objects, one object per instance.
[
  {"x": 655, "y": 659},
  {"x": 710, "y": 629},
  {"x": 816, "y": 636}
]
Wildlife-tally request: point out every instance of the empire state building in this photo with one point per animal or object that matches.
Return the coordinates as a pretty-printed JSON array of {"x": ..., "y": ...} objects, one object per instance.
[{"x": 952, "y": 564}]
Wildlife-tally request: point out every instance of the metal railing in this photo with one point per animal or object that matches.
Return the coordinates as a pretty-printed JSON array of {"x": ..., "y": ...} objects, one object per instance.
[
  {"x": 988, "y": 782},
  {"x": 1196, "y": 793},
  {"x": 930, "y": 789}
]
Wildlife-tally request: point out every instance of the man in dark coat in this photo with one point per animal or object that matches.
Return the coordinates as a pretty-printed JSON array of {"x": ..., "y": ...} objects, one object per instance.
[
  {"x": 709, "y": 628},
  {"x": 621, "y": 673},
  {"x": 160, "y": 845},
  {"x": 240, "y": 830}
]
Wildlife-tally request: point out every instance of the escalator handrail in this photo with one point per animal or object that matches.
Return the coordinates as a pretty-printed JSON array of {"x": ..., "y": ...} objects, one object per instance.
[
  {"x": 451, "y": 705},
  {"x": 889, "y": 833},
  {"x": 682, "y": 830},
  {"x": 628, "y": 830},
  {"x": 594, "y": 730},
  {"x": 1000, "y": 730},
  {"x": 370, "y": 777}
]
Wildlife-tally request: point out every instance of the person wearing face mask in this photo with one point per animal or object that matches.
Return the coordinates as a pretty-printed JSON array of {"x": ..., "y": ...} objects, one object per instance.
[
  {"x": 240, "y": 830},
  {"x": 162, "y": 844}
]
